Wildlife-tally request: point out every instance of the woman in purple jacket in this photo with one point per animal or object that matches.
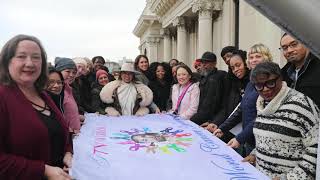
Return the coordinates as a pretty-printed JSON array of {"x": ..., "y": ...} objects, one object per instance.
[{"x": 33, "y": 135}]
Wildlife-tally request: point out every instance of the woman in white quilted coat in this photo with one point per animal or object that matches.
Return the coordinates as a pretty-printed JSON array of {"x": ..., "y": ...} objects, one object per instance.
[{"x": 126, "y": 96}]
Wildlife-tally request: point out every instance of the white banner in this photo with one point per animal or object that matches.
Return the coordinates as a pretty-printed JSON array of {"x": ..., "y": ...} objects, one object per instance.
[{"x": 157, "y": 147}]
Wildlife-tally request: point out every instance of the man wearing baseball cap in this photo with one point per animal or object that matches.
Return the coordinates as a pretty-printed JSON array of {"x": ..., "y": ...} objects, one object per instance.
[{"x": 211, "y": 89}]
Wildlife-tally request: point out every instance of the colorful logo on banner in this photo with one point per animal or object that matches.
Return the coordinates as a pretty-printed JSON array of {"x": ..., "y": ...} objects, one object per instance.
[{"x": 166, "y": 141}]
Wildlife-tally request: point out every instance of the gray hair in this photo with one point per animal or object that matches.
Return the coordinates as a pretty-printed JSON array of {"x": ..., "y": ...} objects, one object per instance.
[{"x": 266, "y": 68}]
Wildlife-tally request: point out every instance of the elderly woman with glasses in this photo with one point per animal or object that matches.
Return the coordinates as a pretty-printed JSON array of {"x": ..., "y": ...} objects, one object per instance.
[{"x": 286, "y": 127}]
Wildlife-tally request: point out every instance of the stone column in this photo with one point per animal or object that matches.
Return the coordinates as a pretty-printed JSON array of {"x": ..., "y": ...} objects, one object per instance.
[
  {"x": 153, "y": 43},
  {"x": 205, "y": 9},
  {"x": 205, "y": 31},
  {"x": 181, "y": 39},
  {"x": 140, "y": 49},
  {"x": 166, "y": 44}
]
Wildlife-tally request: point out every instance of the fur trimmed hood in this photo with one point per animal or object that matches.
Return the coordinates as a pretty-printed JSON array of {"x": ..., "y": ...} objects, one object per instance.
[{"x": 106, "y": 94}]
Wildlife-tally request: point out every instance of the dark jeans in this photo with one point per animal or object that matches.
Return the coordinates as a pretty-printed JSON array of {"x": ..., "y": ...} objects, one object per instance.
[{"x": 245, "y": 149}]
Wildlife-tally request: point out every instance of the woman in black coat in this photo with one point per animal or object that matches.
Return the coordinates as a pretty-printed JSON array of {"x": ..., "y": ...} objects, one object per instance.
[
  {"x": 101, "y": 80},
  {"x": 234, "y": 85},
  {"x": 160, "y": 84}
]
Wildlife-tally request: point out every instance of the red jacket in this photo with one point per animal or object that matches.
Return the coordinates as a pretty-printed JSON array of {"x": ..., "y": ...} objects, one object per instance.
[{"x": 24, "y": 141}]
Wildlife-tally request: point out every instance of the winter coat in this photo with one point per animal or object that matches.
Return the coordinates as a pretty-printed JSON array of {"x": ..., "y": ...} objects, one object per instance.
[
  {"x": 143, "y": 77},
  {"x": 190, "y": 102},
  {"x": 307, "y": 82},
  {"x": 247, "y": 113},
  {"x": 71, "y": 112},
  {"x": 233, "y": 91},
  {"x": 286, "y": 132},
  {"x": 211, "y": 96},
  {"x": 161, "y": 93},
  {"x": 81, "y": 92},
  {"x": 109, "y": 95},
  {"x": 96, "y": 103}
]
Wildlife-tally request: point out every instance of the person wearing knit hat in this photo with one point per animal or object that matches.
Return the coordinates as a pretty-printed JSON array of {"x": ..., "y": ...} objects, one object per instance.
[
  {"x": 67, "y": 67},
  {"x": 68, "y": 70},
  {"x": 62, "y": 63},
  {"x": 102, "y": 77}
]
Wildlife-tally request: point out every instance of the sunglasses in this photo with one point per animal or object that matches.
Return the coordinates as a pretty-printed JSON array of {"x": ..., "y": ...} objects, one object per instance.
[{"x": 269, "y": 84}]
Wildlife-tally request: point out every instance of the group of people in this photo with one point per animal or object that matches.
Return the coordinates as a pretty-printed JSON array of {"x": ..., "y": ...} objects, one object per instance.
[{"x": 43, "y": 106}]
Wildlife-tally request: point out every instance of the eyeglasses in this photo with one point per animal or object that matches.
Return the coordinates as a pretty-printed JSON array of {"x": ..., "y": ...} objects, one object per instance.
[
  {"x": 293, "y": 45},
  {"x": 269, "y": 84},
  {"x": 53, "y": 82}
]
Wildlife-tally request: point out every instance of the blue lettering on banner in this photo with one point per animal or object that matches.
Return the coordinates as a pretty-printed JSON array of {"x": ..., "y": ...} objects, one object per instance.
[
  {"x": 235, "y": 174},
  {"x": 208, "y": 147},
  {"x": 233, "y": 164},
  {"x": 206, "y": 139},
  {"x": 232, "y": 167},
  {"x": 181, "y": 121},
  {"x": 234, "y": 170}
]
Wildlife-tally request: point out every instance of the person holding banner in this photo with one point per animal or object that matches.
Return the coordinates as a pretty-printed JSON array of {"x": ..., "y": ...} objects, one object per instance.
[
  {"x": 185, "y": 94},
  {"x": 33, "y": 134},
  {"x": 126, "y": 96},
  {"x": 235, "y": 83},
  {"x": 246, "y": 111},
  {"x": 286, "y": 127}
]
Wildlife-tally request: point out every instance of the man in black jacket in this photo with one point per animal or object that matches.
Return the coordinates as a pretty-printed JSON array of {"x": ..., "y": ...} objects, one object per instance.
[
  {"x": 303, "y": 68},
  {"x": 211, "y": 89}
]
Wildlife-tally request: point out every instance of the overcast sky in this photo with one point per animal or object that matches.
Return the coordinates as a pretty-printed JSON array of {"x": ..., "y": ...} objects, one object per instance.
[{"x": 75, "y": 27}]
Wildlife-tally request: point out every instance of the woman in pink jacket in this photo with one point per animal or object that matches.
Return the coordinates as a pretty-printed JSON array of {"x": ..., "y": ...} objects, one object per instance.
[{"x": 185, "y": 94}]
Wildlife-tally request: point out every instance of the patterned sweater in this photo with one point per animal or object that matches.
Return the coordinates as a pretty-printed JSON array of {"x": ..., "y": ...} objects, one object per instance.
[{"x": 286, "y": 133}]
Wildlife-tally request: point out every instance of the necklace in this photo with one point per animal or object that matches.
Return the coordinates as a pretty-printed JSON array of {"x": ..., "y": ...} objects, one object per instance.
[{"x": 41, "y": 107}]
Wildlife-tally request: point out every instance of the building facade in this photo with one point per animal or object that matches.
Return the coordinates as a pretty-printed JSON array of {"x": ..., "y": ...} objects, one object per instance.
[{"x": 185, "y": 29}]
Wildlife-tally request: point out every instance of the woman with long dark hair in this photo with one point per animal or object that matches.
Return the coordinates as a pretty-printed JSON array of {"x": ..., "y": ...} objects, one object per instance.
[
  {"x": 160, "y": 84},
  {"x": 141, "y": 64}
]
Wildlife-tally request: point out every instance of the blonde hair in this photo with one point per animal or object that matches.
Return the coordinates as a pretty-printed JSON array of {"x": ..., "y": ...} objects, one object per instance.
[
  {"x": 89, "y": 63},
  {"x": 262, "y": 49}
]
